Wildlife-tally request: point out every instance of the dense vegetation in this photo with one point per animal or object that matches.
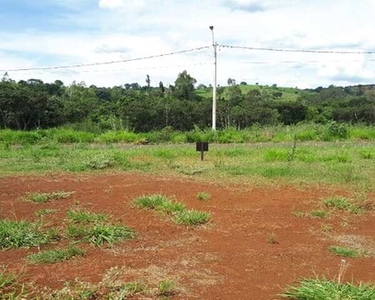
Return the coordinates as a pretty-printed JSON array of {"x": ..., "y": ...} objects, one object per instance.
[{"x": 33, "y": 104}]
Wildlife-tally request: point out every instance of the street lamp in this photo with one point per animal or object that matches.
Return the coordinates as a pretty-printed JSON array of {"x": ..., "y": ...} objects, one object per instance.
[{"x": 215, "y": 45}]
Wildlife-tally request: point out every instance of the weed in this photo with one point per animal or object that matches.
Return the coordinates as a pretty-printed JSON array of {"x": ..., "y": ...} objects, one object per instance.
[
  {"x": 203, "y": 196},
  {"x": 129, "y": 289},
  {"x": 10, "y": 288},
  {"x": 340, "y": 203},
  {"x": 300, "y": 214},
  {"x": 192, "y": 217},
  {"x": 19, "y": 234},
  {"x": 167, "y": 288},
  {"x": 323, "y": 289},
  {"x": 85, "y": 216},
  {"x": 346, "y": 252},
  {"x": 326, "y": 227},
  {"x": 46, "y": 211},
  {"x": 100, "y": 234},
  {"x": 46, "y": 197},
  {"x": 272, "y": 238},
  {"x": 345, "y": 204},
  {"x": 178, "y": 211},
  {"x": 159, "y": 203},
  {"x": 54, "y": 256},
  {"x": 319, "y": 214}
]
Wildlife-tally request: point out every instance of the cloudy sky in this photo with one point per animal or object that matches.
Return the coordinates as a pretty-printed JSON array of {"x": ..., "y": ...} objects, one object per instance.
[{"x": 42, "y": 33}]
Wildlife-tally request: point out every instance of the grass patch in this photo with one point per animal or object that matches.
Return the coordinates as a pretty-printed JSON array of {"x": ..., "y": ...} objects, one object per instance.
[
  {"x": 46, "y": 197},
  {"x": 346, "y": 252},
  {"x": 159, "y": 203},
  {"x": 192, "y": 217},
  {"x": 129, "y": 289},
  {"x": 85, "y": 216},
  {"x": 300, "y": 214},
  {"x": 323, "y": 289},
  {"x": 178, "y": 211},
  {"x": 100, "y": 234},
  {"x": 319, "y": 213},
  {"x": 345, "y": 204},
  {"x": 17, "y": 234},
  {"x": 167, "y": 288},
  {"x": 54, "y": 256},
  {"x": 203, "y": 196},
  {"x": 10, "y": 288},
  {"x": 46, "y": 211}
]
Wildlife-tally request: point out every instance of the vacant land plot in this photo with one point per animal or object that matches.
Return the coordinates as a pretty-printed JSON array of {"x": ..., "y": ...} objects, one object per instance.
[{"x": 159, "y": 225}]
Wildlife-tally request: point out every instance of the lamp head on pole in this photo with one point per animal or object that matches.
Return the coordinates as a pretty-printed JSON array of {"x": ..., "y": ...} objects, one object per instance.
[{"x": 211, "y": 27}]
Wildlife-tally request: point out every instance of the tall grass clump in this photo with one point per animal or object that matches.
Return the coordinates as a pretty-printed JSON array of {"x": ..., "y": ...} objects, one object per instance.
[
  {"x": 176, "y": 210},
  {"x": 100, "y": 233},
  {"x": 17, "y": 234},
  {"x": 323, "y": 289}
]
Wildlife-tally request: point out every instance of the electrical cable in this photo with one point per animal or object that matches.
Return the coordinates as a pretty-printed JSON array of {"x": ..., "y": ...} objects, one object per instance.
[
  {"x": 297, "y": 50},
  {"x": 107, "y": 62}
]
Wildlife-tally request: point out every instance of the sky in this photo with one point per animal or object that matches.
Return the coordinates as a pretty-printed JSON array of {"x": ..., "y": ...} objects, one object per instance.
[{"x": 44, "y": 33}]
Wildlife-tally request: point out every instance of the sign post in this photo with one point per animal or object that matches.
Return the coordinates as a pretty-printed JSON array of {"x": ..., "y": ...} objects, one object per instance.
[{"x": 202, "y": 147}]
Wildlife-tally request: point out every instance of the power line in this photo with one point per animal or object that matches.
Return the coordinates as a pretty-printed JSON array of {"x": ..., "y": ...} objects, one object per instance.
[
  {"x": 107, "y": 62},
  {"x": 147, "y": 68},
  {"x": 297, "y": 50}
]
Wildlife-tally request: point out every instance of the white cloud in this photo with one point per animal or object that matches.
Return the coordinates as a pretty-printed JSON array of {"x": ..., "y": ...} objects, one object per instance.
[
  {"x": 122, "y": 29},
  {"x": 121, "y": 4}
]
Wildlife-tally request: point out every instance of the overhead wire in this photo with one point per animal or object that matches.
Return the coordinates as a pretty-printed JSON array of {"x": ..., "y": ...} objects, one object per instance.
[
  {"x": 297, "y": 50},
  {"x": 107, "y": 62}
]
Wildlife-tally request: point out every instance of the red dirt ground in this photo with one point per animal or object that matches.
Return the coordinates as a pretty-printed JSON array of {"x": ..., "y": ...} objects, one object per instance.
[{"x": 231, "y": 258}]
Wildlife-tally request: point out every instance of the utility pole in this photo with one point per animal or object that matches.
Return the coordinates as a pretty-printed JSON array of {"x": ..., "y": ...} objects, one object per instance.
[{"x": 215, "y": 45}]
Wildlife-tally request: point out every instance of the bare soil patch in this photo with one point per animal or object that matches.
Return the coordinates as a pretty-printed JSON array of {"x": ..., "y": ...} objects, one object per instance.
[{"x": 230, "y": 258}]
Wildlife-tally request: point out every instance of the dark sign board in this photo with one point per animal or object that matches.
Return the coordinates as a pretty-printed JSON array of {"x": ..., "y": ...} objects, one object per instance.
[{"x": 202, "y": 146}]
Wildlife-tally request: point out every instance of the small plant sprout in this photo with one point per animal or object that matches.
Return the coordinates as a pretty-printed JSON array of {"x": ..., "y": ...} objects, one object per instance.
[
  {"x": 167, "y": 288},
  {"x": 203, "y": 196},
  {"x": 272, "y": 238}
]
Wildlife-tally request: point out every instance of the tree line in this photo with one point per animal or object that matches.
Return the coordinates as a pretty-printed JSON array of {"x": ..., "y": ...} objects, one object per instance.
[{"x": 32, "y": 104}]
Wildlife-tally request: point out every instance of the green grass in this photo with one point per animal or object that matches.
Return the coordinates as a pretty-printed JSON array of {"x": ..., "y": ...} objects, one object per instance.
[
  {"x": 203, "y": 196},
  {"x": 191, "y": 217},
  {"x": 345, "y": 204},
  {"x": 263, "y": 163},
  {"x": 346, "y": 252},
  {"x": 255, "y": 133},
  {"x": 100, "y": 234},
  {"x": 46, "y": 197},
  {"x": 319, "y": 213},
  {"x": 85, "y": 216},
  {"x": 10, "y": 288},
  {"x": 43, "y": 212},
  {"x": 17, "y": 234},
  {"x": 167, "y": 288},
  {"x": 323, "y": 289},
  {"x": 54, "y": 256},
  {"x": 159, "y": 202},
  {"x": 177, "y": 210},
  {"x": 128, "y": 290}
]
